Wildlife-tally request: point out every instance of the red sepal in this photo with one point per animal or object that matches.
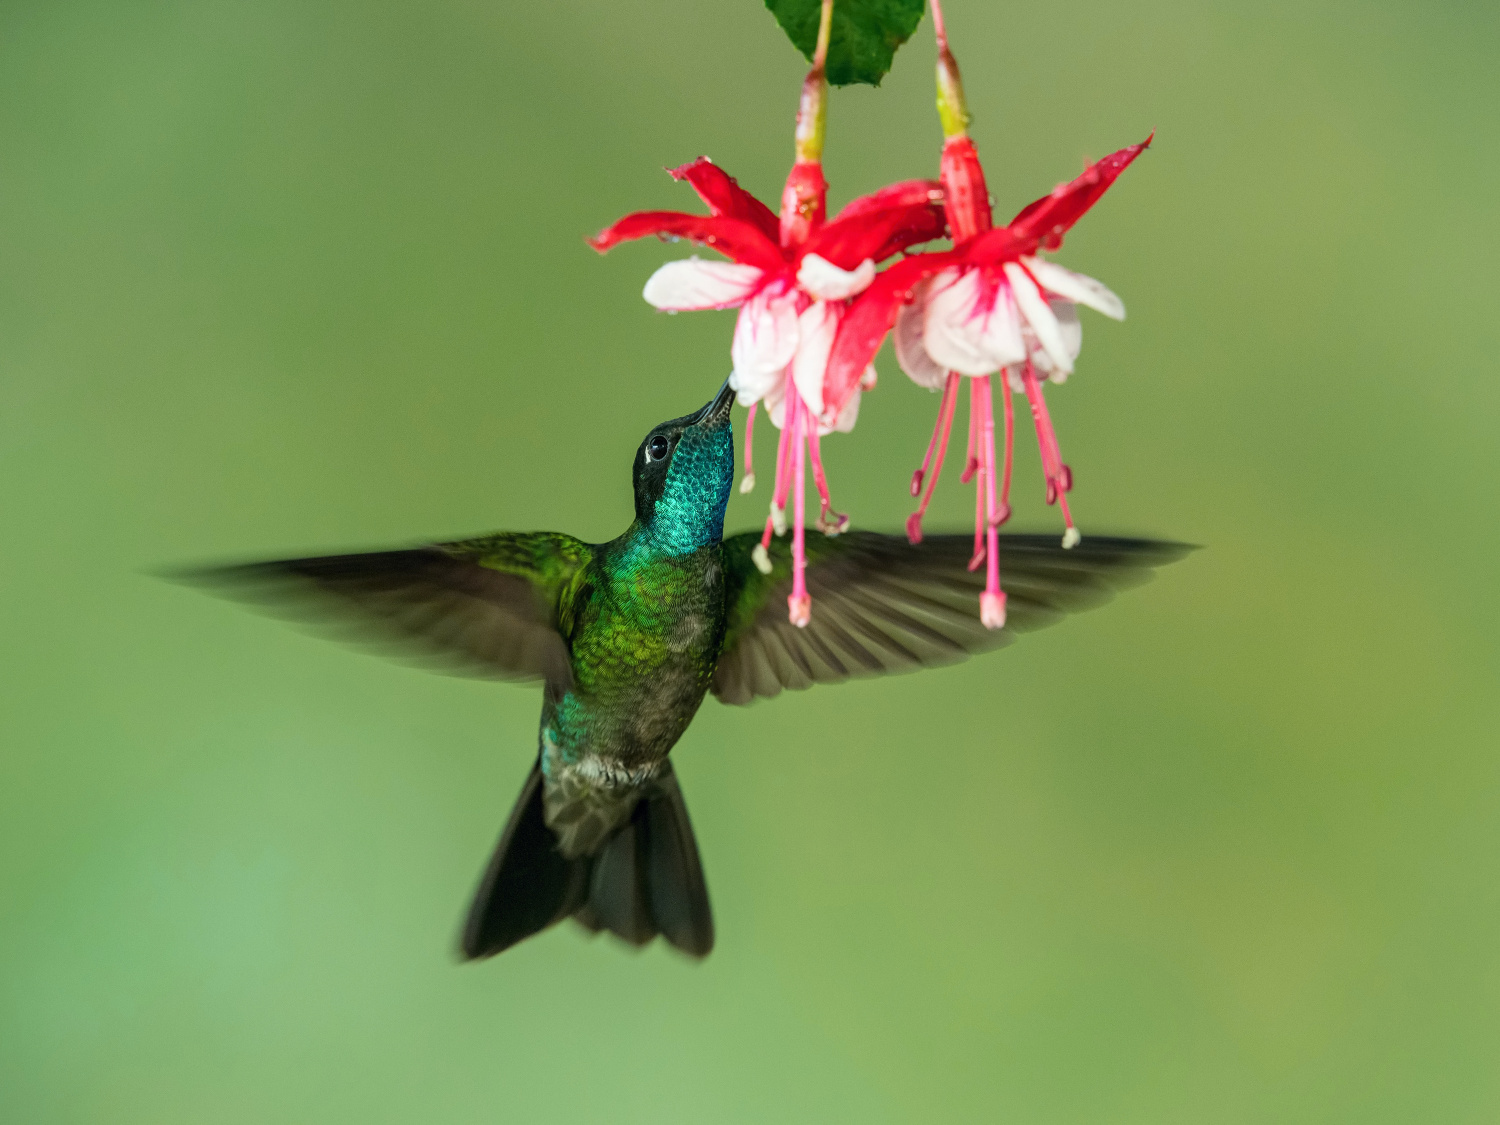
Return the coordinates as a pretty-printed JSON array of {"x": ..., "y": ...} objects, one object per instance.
[
  {"x": 847, "y": 242},
  {"x": 724, "y": 196},
  {"x": 1044, "y": 222},
  {"x": 802, "y": 203},
  {"x": 734, "y": 238},
  {"x": 965, "y": 194},
  {"x": 907, "y": 193},
  {"x": 869, "y": 318},
  {"x": 995, "y": 247}
]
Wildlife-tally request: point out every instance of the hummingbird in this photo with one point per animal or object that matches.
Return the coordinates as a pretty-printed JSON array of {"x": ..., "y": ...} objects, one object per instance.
[{"x": 628, "y": 637}]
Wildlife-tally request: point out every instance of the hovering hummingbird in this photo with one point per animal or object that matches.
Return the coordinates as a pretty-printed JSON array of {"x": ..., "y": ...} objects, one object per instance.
[{"x": 627, "y": 637}]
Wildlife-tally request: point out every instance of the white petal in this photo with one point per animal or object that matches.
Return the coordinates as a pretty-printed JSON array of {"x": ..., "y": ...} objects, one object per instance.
[
  {"x": 1072, "y": 334},
  {"x": 844, "y": 423},
  {"x": 1076, "y": 287},
  {"x": 826, "y": 282},
  {"x": 816, "y": 328},
  {"x": 765, "y": 339},
  {"x": 1040, "y": 317},
  {"x": 1002, "y": 338},
  {"x": 911, "y": 352},
  {"x": 951, "y": 329},
  {"x": 775, "y": 403},
  {"x": 695, "y": 284}
]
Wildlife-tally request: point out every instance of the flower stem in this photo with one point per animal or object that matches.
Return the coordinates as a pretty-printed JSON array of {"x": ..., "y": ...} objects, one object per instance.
[
  {"x": 953, "y": 108},
  {"x": 825, "y": 32},
  {"x": 803, "y": 200}
]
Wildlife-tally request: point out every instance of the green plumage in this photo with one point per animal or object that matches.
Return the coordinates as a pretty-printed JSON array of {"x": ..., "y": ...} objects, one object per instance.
[{"x": 629, "y": 636}]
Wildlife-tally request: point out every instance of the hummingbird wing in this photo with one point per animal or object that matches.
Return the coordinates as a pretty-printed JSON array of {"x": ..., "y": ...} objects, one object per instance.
[
  {"x": 883, "y": 605},
  {"x": 494, "y": 607}
]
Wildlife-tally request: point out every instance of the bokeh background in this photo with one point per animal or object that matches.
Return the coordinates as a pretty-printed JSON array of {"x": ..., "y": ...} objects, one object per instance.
[{"x": 309, "y": 275}]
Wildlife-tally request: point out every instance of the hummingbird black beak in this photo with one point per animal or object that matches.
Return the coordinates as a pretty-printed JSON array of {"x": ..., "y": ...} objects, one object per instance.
[{"x": 717, "y": 410}]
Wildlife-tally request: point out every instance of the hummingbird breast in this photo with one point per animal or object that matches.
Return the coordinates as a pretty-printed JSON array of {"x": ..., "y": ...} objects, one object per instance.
[{"x": 644, "y": 650}]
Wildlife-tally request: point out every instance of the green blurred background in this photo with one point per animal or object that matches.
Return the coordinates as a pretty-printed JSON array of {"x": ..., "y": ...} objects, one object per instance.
[{"x": 309, "y": 275}]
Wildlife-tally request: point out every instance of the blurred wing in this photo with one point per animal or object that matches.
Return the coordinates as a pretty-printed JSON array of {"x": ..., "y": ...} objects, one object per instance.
[
  {"x": 494, "y": 608},
  {"x": 881, "y": 605}
]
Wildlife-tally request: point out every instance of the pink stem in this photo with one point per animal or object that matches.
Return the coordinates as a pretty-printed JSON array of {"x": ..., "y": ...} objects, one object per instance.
[
  {"x": 750, "y": 442},
  {"x": 949, "y": 389},
  {"x": 940, "y": 431},
  {"x": 971, "y": 459},
  {"x": 987, "y": 451},
  {"x": 783, "y": 455},
  {"x": 798, "y": 604},
  {"x": 976, "y": 465},
  {"x": 1059, "y": 476},
  {"x": 839, "y": 522},
  {"x": 1010, "y": 446},
  {"x": 937, "y": 25}
]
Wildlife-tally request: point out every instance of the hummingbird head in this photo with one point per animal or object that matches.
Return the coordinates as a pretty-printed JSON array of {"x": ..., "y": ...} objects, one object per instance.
[{"x": 683, "y": 471}]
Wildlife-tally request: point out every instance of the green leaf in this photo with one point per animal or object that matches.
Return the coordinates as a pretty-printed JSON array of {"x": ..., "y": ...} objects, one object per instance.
[{"x": 863, "y": 39}]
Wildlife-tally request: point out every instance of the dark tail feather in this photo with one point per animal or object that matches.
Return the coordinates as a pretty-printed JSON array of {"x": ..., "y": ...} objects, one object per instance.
[
  {"x": 674, "y": 881},
  {"x": 528, "y": 885},
  {"x": 646, "y": 880}
]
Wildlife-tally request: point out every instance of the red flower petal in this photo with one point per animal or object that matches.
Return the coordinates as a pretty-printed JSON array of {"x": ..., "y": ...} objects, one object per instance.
[
  {"x": 724, "y": 196},
  {"x": 869, "y": 318},
  {"x": 907, "y": 193},
  {"x": 997, "y": 246},
  {"x": 734, "y": 238},
  {"x": 1045, "y": 222},
  {"x": 877, "y": 234}
]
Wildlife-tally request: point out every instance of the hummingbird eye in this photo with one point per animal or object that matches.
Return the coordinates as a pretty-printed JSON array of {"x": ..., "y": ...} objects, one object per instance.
[{"x": 656, "y": 448}]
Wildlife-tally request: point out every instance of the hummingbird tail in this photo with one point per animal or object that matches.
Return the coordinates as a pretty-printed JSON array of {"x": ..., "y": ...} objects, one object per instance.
[{"x": 645, "y": 879}]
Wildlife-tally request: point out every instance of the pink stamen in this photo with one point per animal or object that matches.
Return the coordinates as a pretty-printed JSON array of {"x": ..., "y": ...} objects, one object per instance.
[
  {"x": 971, "y": 460},
  {"x": 1059, "y": 476},
  {"x": 799, "y": 605},
  {"x": 940, "y": 431},
  {"x": 839, "y": 523},
  {"x": 992, "y": 601},
  {"x": 748, "y": 481},
  {"x": 1010, "y": 447},
  {"x": 783, "y": 465},
  {"x": 937, "y": 429},
  {"x": 976, "y": 406}
]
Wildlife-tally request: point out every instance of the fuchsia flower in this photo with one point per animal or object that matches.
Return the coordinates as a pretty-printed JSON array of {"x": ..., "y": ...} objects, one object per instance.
[
  {"x": 791, "y": 282},
  {"x": 793, "y": 278},
  {"x": 990, "y": 305}
]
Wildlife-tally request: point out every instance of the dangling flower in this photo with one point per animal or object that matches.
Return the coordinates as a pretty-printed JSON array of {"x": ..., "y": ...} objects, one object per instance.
[
  {"x": 791, "y": 282},
  {"x": 793, "y": 278},
  {"x": 990, "y": 305}
]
